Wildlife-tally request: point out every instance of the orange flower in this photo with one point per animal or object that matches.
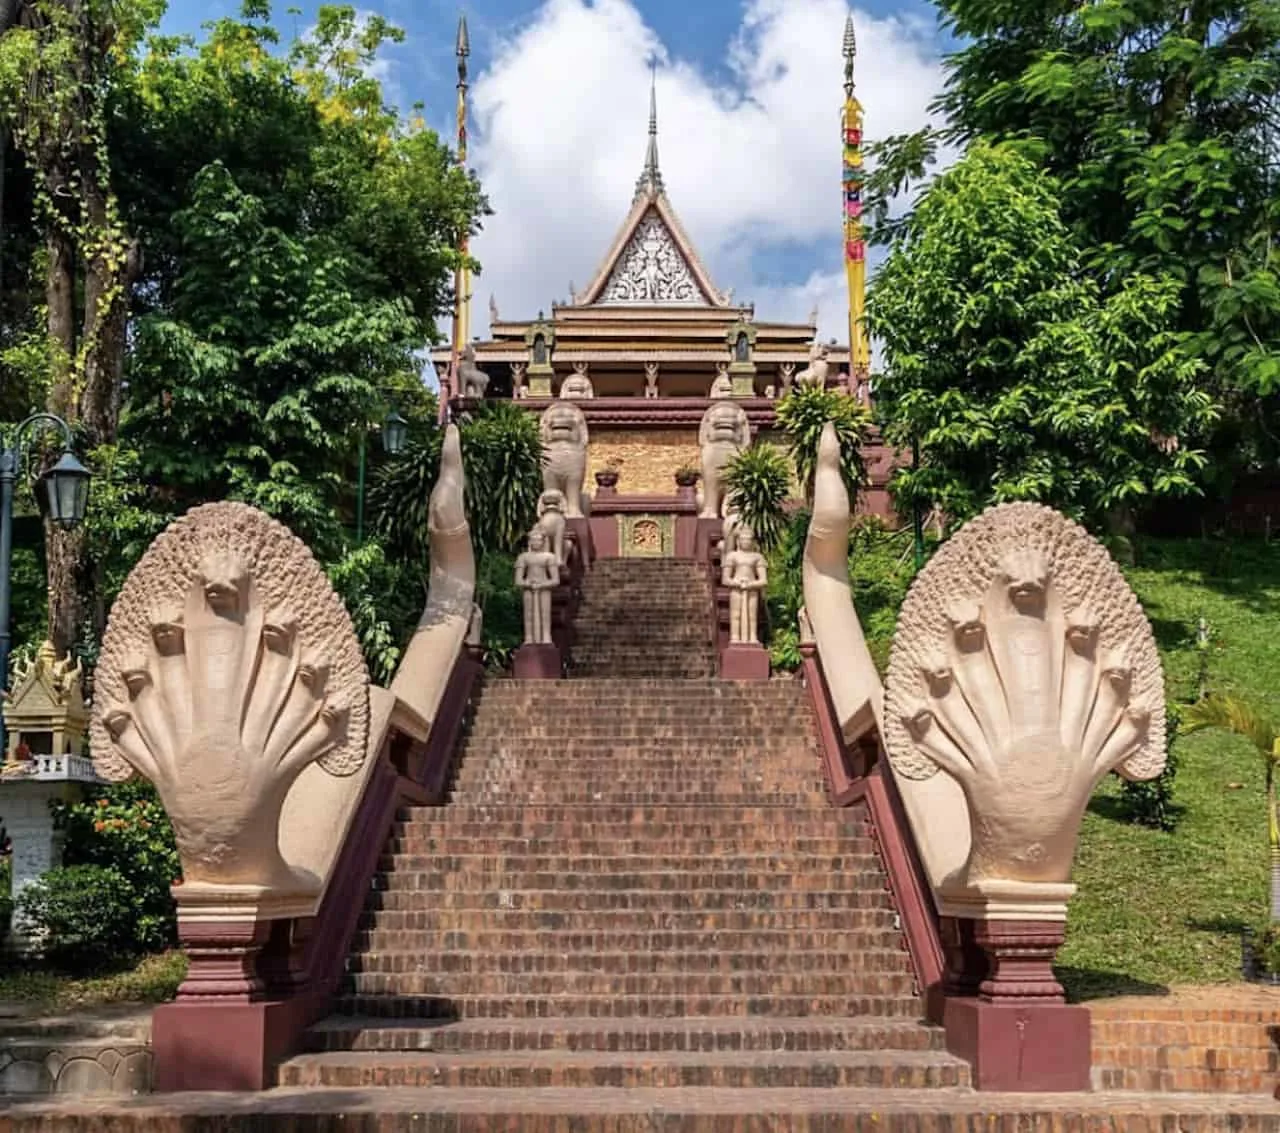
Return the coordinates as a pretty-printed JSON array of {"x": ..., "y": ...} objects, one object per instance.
[{"x": 99, "y": 827}]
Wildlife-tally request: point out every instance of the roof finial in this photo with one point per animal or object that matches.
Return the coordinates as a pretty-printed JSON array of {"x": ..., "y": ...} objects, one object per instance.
[
  {"x": 651, "y": 179},
  {"x": 463, "y": 47},
  {"x": 850, "y": 53}
]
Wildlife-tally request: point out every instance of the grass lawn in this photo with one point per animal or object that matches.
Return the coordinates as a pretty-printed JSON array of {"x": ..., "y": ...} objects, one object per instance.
[{"x": 153, "y": 979}]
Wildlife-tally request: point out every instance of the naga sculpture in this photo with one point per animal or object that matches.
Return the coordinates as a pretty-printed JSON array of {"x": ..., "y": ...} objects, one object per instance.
[
  {"x": 1024, "y": 668},
  {"x": 564, "y": 461},
  {"x": 228, "y": 667},
  {"x": 723, "y": 434},
  {"x": 816, "y": 373},
  {"x": 472, "y": 381}
]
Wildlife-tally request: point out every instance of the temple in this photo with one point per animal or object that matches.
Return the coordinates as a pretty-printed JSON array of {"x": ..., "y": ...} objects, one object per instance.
[{"x": 646, "y": 346}]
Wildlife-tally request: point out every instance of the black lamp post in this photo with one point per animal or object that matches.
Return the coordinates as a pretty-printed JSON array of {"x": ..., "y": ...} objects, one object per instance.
[
  {"x": 394, "y": 431},
  {"x": 63, "y": 495}
]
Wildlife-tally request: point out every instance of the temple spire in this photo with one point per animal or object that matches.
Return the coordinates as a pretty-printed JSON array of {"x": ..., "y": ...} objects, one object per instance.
[
  {"x": 855, "y": 241},
  {"x": 850, "y": 54},
  {"x": 462, "y": 274},
  {"x": 650, "y": 182}
]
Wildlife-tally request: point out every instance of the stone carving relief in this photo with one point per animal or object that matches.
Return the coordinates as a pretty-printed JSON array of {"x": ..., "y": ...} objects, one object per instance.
[
  {"x": 1024, "y": 668},
  {"x": 472, "y": 381},
  {"x": 651, "y": 379},
  {"x": 744, "y": 573},
  {"x": 537, "y": 575},
  {"x": 564, "y": 454},
  {"x": 229, "y": 665},
  {"x": 724, "y": 433},
  {"x": 652, "y": 269}
]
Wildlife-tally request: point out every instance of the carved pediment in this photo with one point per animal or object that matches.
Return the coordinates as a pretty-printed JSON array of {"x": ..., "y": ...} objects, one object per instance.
[{"x": 653, "y": 269}]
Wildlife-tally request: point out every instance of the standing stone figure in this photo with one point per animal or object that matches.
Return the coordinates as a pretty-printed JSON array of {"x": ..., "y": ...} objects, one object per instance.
[
  {"x": 816, "y": 374},
  {"x": 472, "y": 381},
  {"x": 564, "y": 460},
  {"x": 539, "y": 349},
  {"x": 552, "y": 524},
  {"x": 537, "y": 574},
  {"x": 742, "y": 348},
  {"x": 651, "y": 379},
  {"x": 724, "y": 433},
  {"x": 744, "y": 573},
  {"x": 786, "y": 375},
  {"x": 722, "y": 386}
]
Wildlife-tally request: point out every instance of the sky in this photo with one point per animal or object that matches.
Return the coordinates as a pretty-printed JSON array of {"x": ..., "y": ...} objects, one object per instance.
[{"x": 749, "y": 97}]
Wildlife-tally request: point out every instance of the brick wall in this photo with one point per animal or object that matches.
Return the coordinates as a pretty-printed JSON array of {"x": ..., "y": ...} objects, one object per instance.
[{"x": 1222, "y": 1040}]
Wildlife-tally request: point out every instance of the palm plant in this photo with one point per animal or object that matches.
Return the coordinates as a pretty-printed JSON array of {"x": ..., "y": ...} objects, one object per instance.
[
  {"x": 802, "y": 415},
  {"x": 759, "y": 480},
  {"x": 1245, "y": 719}
]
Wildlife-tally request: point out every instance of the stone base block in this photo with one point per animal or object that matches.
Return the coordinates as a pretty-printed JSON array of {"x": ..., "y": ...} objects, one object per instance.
[
  {"x": 537, "y": 663},
  {"x": 1021, "y": 1048},
  {"x": 744, "y": 663},
  {"x": 206, "y": 1045}
]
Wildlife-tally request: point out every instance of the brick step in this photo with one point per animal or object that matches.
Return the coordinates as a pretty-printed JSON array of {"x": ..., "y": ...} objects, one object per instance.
[
  {"x": 583, "y": 901},
  {"x": 479, "y": 923},
  {"x": 551, "y": 821},
  {"x": 612, "y": 865},
  {"x": 503, "y": 765},
  {"x": 704, "y": 1035},
  {"x": 643, "y": 1110},
  {"x": 657, "y": 690},
  {"x": 858, "y": 941},
  {"x": 536, "y": 1070},
  {"x": 691, "y": 883},
  {"x": 447, "y": 844},
  {"x": 763, "y": 738},
  {"x": 623, "y": 1005},
  {"x": 683, "y": 667},
  {"x": 547, "y": 986},
  {"x": 586, "y": 794},
  {"x": 722, "y": 962}
]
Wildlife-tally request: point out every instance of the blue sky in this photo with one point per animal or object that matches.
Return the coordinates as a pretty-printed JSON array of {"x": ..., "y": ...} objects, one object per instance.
[{"x": 749, "y": 94}]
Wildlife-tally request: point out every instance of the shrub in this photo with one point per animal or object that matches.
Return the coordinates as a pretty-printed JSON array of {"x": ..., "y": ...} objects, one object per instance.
[
  {"x": 1150, "y": 803},
  {"x": 123, "y": 828},
  {"x": 759, "y": 482},
  {"x": 503, "y": 606},
  {"x": 6, "y": 894},
  {"x": 84, "y": 915},
  {"x": 804, "y": 412}
]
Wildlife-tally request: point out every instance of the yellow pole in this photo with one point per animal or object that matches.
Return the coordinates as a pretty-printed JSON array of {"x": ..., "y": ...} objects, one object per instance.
[
  {"x": 462, "y": 276},
  {"x": 855, "y": 245}
]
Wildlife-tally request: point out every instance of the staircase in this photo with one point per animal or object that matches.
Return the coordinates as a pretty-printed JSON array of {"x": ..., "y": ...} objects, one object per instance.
[
  {"x": 638, "y": 882},
  {"x": 645, "y": 618}
]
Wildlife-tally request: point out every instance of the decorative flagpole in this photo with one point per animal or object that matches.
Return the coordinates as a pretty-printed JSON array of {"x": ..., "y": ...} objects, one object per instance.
[
  {"x": 462, "y": 276},
  {"x": 855, "y": 244}
]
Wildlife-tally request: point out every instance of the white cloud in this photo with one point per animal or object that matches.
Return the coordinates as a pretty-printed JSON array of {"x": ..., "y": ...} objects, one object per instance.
[{"x": 558, "y": 138}]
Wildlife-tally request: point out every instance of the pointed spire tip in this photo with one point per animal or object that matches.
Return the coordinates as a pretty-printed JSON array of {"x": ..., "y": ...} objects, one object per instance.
[{"x": 463, "y": 47}]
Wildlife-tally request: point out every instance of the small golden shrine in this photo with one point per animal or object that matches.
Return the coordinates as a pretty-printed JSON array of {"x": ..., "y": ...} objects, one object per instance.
[{"x": 46, "y": 712}]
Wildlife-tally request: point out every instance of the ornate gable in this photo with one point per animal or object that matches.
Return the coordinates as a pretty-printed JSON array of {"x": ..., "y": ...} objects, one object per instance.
[{"x": 652, "y": 269}]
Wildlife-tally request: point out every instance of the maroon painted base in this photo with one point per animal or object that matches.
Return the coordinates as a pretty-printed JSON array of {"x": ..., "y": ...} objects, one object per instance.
[
  {"x": 706, "y": 538},
  {"x": 1031, "y": 1047},
  {"x": 537, "y": 663},
  {"x": 222, "y": 1046},
  {"x": 744, "y": 663}
]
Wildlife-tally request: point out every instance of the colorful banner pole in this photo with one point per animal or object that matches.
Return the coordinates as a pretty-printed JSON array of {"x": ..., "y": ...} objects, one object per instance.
[
  {"x": 462, "y": 276},
  {"x": 853, "y": 180}
]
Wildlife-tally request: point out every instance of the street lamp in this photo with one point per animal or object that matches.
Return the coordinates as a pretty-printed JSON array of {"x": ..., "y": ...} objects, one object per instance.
[
  {"x": 394, "y": 431},
  {"x": 63, "y": 495}
]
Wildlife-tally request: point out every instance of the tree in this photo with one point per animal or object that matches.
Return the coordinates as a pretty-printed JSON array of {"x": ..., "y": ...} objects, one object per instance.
[
  {"x": 60, "y": 61},
  {"x": 1012, "y": 373},
  {"x": 1246, "y": 720},
  {"x": 759, "y": 481},
  {"x": 803, "y": 414},
  {"x": 1158, "y": 120}
]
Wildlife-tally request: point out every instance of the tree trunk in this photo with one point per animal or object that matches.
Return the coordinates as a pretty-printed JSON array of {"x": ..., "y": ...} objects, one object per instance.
[{"x": 60, "y": 298}]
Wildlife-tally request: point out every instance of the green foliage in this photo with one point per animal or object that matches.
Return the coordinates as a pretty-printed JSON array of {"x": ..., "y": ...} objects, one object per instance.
[
  {"x": 384, "y": 599},
  {"x": 804, "y": 412},
  {"x": 1150, "y": 802},
  {"x": 1009, "y": 370},
  {"x": 503, "y": 606},
  {"x": 123, "y": 829},
  {"x": 1157, "y": 120},
  {"x": 6, "y": 893},
  {"x": 84, "y": 914},
  {"x": 785, "y": 593},
  {"x": 759, "y": 482}
]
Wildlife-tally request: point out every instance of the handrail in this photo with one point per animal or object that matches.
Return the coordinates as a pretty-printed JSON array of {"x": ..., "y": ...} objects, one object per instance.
[{"x": 858, "y": 776}]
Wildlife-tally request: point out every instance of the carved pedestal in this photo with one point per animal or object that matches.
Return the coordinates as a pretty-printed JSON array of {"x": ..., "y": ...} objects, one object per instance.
[
  {"x": 540, "y": 381},
  {"x": 744, "y": 663},
  {"x": 1018, "y": 1033},
  {"x": 537, "y": 663}
]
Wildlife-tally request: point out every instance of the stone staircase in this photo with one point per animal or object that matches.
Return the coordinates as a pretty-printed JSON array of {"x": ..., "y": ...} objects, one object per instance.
[
  {"x": 638, "y": 883},
  {"x": 645, "y": 618}
]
